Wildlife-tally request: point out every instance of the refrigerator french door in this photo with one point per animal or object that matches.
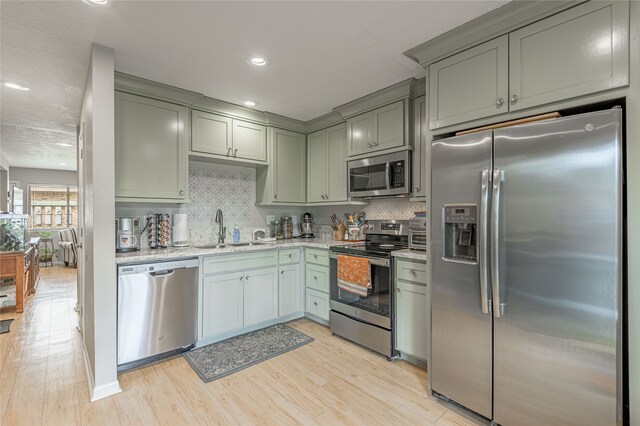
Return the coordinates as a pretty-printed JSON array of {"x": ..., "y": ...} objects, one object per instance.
[{"x": 527, "y": 271}]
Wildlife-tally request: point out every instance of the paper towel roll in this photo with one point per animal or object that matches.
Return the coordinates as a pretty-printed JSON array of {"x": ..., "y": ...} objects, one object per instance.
[{"x": 180, "y": 230}]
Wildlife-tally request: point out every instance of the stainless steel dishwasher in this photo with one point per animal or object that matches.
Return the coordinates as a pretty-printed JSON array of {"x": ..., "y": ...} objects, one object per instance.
[{"x": 157, "y": 310}]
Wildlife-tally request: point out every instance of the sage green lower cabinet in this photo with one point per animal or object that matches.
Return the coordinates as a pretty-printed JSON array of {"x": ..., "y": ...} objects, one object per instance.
[
  {"x": 412, "y": 311},
  {"x": 317, "y": 284},
  {"x": 290, "y": 290},
  {"x": 260, "y": 295},
  {"x": 151, "y": 144},
  {"x": 222, "y": 305}
]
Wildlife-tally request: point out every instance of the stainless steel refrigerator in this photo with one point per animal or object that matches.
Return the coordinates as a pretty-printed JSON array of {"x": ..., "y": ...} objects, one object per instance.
[{"x": 527, "y": 261}]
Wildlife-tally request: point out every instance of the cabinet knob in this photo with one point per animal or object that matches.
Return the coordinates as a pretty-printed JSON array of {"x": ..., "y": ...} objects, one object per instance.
[
  {"x": 369, "y": 145},
  {"x": 315, "y": 303},
  {"x": 326, "y": 197},
  {"x": 290, "y": 256},
  {"x": 397, "y": 290},
  {"x": 275, "y": 196},
  {"x": 235, "y": 151},
  {"x": 514, "y": 99},
  {"x": 374, "y": 143},
  {"x": 417, "y": 189},
  {"x": 181, "y": 192},
  {"x": 315, "y": 278},
  {"x": 241, "y": 278},
  {"x": 500, "y": 101},
  {"x": 282, "y": 272},
  {"x": 412, "y": 272},
  {"x": 247, "y": 278},
  {"x": 228, "y": 151}
]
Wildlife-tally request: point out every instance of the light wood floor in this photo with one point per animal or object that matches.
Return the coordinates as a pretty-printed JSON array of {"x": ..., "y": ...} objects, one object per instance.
[{"x": 330, "y": 381}]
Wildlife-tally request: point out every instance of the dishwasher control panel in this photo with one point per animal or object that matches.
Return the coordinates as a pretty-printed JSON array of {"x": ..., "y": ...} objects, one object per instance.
[{"x": 157, "y": 267}]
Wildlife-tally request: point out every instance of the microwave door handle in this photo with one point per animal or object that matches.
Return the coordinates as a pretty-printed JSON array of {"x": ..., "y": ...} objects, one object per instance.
[{"x": 387, "y": 174}]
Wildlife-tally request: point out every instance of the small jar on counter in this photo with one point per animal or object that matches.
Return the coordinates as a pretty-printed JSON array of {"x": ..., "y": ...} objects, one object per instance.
[
  {"x": 278, "y": 226},
  {"x": 287, "y": 227}
]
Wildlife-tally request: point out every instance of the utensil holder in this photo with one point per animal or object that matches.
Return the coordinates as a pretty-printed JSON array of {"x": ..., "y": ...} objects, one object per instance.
[{"x": 356, "y": 233}]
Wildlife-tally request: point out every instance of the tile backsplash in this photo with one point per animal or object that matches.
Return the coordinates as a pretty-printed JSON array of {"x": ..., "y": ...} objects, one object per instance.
[{"x": 233, "y": 189}]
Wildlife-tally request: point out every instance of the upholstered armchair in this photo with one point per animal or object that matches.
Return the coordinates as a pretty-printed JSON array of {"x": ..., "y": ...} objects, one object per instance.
[{"x": 69, "y": 246}]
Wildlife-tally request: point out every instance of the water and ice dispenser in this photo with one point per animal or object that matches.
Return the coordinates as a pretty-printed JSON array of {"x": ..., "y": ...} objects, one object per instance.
[{"x": 460, "y": 232}]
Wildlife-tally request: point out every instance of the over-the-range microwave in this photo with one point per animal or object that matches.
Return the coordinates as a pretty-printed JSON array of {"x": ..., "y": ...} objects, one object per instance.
[{"x": 385, "y": 175}]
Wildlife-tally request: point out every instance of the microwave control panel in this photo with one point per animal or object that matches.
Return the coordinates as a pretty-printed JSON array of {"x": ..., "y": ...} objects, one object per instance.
[{"x": 397, "y": 174}]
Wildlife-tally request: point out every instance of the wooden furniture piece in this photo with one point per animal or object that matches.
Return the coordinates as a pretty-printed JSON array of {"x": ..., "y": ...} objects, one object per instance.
[{"x": 12, "y": 265}]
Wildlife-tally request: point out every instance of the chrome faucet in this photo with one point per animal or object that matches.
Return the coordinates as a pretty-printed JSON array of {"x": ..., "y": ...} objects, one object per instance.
[{"x": 222, "y": 231}]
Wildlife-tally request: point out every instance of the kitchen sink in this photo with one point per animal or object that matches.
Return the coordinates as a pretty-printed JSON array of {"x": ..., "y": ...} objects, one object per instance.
[{"x": 255, "y": 243}]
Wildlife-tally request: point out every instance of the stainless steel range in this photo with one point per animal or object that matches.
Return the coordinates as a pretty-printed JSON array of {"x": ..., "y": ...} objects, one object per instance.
[{"x": 368, "y": 319}]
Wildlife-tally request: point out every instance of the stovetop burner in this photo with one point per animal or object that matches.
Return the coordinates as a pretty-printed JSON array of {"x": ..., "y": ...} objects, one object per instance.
[{"x": 383, "y": 237}]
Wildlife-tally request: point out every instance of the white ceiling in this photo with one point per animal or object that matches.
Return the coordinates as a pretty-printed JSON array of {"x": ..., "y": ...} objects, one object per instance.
[{"x": 323, "y": 54}]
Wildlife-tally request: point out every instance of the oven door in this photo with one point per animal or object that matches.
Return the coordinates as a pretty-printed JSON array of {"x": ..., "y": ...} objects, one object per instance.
[{"x": 376, "y": 307}]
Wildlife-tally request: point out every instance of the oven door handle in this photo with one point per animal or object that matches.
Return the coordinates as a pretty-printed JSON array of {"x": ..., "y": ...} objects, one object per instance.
[{"x": 372, "y": 261}]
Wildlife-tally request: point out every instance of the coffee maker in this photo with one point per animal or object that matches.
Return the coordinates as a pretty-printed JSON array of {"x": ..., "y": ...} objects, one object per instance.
[
  {"x": 306, "y": 226},
  {"x": 127, "y": 229}
]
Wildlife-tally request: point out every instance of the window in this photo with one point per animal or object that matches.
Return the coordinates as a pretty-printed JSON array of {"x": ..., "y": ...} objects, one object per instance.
[{"x": 53, "y": 207}]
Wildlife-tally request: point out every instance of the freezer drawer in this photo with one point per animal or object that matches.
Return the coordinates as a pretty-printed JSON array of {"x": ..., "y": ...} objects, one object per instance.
[{"x": 157, "y": 309}]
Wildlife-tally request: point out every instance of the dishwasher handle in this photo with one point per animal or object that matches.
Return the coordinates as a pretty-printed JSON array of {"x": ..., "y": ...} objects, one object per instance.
[{"x": 165, "y": 273}]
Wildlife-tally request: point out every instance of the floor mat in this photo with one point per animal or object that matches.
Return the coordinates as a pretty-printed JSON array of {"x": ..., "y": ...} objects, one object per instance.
[
  {"x": 220, "y": 359},
  {"x": 4, "y": 326}
]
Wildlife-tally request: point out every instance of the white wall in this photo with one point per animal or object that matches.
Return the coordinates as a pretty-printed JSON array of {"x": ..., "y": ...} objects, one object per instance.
[
  {"x": 99, "y": 272},
  {"x": 4, "y": 183},
  {"x": 24, "y": 177}
]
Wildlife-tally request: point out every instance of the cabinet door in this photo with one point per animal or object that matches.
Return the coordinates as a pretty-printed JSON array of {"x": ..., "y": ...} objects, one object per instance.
[
  {"x": 249, "y": 141},
  {"x": 388, "y": 130},
  {"x": 411, "y": 319},
  {"x": 469, "y": 85},
  {"x": 289, "y": 290},
  {"x": 336, "y": 170},
  {"x": 316, "y": 166},
  {"x": 420, "y": 147},
  {"x": 150, "y": 149},
  {"x": 210, "y": 133},
  {"x": 580, "y": 51},
  {"x": 222, "y": 305},
  {"x": 260, "y": 295},
  {"x": 359, "y": 134},
  {"x": 290, "y": 163}
]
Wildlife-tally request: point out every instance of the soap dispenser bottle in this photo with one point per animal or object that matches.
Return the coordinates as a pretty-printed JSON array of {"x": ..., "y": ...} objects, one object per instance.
[{"x": 236, "y": 234}]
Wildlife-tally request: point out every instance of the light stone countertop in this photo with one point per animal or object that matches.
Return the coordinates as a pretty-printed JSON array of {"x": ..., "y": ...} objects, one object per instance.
[
  {"x": 146, "y": 255},
  {"x": 410, "y": 254}
]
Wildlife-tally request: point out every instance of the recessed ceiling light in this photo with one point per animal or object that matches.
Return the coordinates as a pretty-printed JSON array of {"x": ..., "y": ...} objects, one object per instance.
[
  {"x": 250, "y": 103},
  {"x": 15, "y": 86},
  {"x": 259, "y": 61},
  {"x": 96, "y": 2},
  {"x": 64, "y": 144}
]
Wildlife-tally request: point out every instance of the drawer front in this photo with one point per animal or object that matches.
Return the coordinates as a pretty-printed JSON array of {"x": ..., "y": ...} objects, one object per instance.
[
  {"x": 411, "y": 271},
  {"x": 317, "y": 277},
  {"x": 289, "y": 256},
  {"x": 317, "y": 304},
  {"x": 236, "y": 262},
  {"x": 319, "y": 257}
]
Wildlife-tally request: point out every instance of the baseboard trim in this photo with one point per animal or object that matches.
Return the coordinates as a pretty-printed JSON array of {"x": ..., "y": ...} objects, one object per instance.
[{"x": 103, "y": 391}]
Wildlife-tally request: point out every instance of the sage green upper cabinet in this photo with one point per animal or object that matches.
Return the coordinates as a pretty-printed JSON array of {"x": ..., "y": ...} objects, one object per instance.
[
  {"x": 580, "y": 51},
  {"x": 376, "y": 130},
  {"x": 316, "y": 166},
  {"x": 469, "y": 85},
  {"x": 210, "y": 133},
  {"x": 249, "y": 141},
  {"x": 150, "y": 149},
  {"x": 577, "y": 52},
  {"x": 228, "y": 137},
  {"x": 326, "y": 166},
  {"x": 420, "y": 147},
  {"x": 291, "y": 166},
  {"x": 284, "y": 181}
]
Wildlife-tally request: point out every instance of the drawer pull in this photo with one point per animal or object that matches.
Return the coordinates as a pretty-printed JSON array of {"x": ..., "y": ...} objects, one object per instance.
[{"x": 412, "y": 272}]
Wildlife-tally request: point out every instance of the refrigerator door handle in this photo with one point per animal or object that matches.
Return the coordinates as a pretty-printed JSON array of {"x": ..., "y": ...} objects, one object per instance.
[
  {"x": 498, "y": 177},
  {"x": 483, "y": 240}
]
